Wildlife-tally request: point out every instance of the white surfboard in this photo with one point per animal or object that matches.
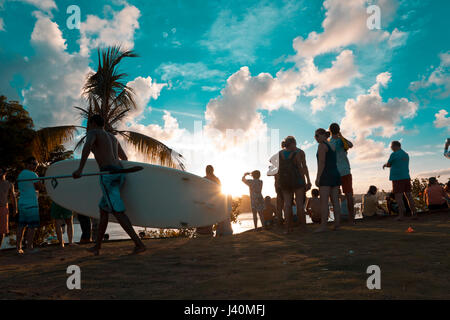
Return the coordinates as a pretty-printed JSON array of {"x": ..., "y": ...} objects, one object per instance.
[
  {"x": 274, "y": 164},
  {"x": 156, "y": 196}
]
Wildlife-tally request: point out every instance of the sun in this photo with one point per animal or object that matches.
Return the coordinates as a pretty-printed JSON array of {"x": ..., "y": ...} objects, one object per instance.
[{"x": 233, "y": 187}]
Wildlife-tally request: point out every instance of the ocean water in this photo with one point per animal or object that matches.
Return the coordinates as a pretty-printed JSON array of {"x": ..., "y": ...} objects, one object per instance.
[{"x": 115, "y": 231}]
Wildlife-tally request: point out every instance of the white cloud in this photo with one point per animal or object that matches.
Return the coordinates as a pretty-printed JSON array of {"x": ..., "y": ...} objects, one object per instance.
[
  {"x": 438, "y": 80},
  {"x": 96, "y": 32},
  {"x": 368, "y": 113},
  {"x": 237, "y": 106},
  {"x": 47, "y": 33},
  {"x": 397, "y": 38},
  {"x": 187, "y": 74},
  {"x": 144, "y": 89},
  {"x": 419, "y": 153},
  {"x": 170, "y": 131},
  {"x": 55, "y": 78},
  {"x": 443, "y": 173},
  {"x": 44, "y": 5},
  {"x": 442, "y": 121},
  {"x": 339, "y": 75},
  {"x": 345, "y": 24}
]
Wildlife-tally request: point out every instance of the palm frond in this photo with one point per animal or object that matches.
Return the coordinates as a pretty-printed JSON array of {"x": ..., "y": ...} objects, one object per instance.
[
  {"x": 105, "y": 90},
  {"x": 154, "y": 150},
  {"x": 46, "y": 139}
]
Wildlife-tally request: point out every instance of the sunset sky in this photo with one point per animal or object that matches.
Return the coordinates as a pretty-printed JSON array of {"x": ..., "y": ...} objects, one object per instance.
[{"x": 223, "y": 82}]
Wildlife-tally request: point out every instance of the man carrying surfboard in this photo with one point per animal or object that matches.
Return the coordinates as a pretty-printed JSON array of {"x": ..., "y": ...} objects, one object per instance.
[{"x": 108, "y": 152}]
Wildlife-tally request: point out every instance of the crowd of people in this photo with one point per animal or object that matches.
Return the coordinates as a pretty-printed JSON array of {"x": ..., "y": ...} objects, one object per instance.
[
  {"x": 292, "y": 181},
  {"x": 334, "y": 184}
]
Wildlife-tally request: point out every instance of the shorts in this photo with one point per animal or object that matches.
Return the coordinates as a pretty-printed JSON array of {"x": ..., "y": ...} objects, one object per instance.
[
  {"x": 4, "y": 220},
  {"x": 29, "y": 216},
  {"x": 347, "y": 187},
  {"x": 401, "y": 186},
  {"x": 111, "y": 200},
  {"x": 59, "y": 213}
]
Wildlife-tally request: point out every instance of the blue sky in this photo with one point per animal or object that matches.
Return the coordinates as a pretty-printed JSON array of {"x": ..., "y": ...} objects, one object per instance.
[{"x": 262, "y": 69}]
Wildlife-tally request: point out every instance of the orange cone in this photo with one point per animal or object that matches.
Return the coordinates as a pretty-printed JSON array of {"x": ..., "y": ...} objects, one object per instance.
[{"x": 409, "y": 230}]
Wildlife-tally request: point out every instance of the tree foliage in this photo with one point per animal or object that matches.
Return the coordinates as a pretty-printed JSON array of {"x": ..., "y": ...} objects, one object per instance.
[{"x": 16, "y": 133}]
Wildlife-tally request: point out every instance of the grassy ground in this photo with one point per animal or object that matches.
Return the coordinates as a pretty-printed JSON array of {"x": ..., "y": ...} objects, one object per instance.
[{"x": 254, "y": 265}]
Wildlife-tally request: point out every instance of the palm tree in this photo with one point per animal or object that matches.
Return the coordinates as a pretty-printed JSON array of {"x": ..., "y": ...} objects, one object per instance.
[{"x": 108, "y": 96}]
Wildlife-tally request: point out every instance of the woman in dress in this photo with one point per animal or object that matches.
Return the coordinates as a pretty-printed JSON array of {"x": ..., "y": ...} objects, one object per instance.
[
  {"x": 256, "y": 198},
  {"x": 328, "y": 179}
]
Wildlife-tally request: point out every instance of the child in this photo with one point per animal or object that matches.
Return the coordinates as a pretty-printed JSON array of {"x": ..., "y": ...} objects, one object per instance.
[
  {"x": 313, "y": 206},
  {"x": 269, "y": 212},
  {"x": 256, "y": 199}
]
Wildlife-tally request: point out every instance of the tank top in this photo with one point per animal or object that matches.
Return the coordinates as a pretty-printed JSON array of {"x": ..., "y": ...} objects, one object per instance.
[{"x": 330, "y": 176}]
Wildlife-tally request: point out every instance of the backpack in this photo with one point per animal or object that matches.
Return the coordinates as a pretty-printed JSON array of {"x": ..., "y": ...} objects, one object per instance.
[{"x": 289, "y": 176}]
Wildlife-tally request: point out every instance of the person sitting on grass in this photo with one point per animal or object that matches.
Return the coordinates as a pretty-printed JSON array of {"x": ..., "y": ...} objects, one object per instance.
[
  {"x": 434, "y": 196},
  {"x": 269, "y": 212},
  {"x": 447, "y": 190},
  {"x": 392, "y": 205},
  {"x": 313, "y": 206},
  {"x": 61, "y": 215},
  {"x": 207, "y": 231},
  {"x": 370, "y": 206}
]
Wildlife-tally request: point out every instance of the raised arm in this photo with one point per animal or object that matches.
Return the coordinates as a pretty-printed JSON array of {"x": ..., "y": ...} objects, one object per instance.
[
  {"x": 243, "y": 178},
  {"x": 350, "y": 145}
]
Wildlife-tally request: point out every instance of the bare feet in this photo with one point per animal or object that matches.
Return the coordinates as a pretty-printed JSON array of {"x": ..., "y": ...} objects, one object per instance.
[
  {"x": 20, "y": 251},
  {"x": 138, "y": 250},
  {"x": 95, "y": 250}
]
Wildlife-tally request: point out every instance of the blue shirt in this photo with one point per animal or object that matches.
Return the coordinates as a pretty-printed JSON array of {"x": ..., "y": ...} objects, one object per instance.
[
  {"x": 399, "y": 161},
  {"x": 342, "y": 162},
  {"x": 28, "y": 195}
]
